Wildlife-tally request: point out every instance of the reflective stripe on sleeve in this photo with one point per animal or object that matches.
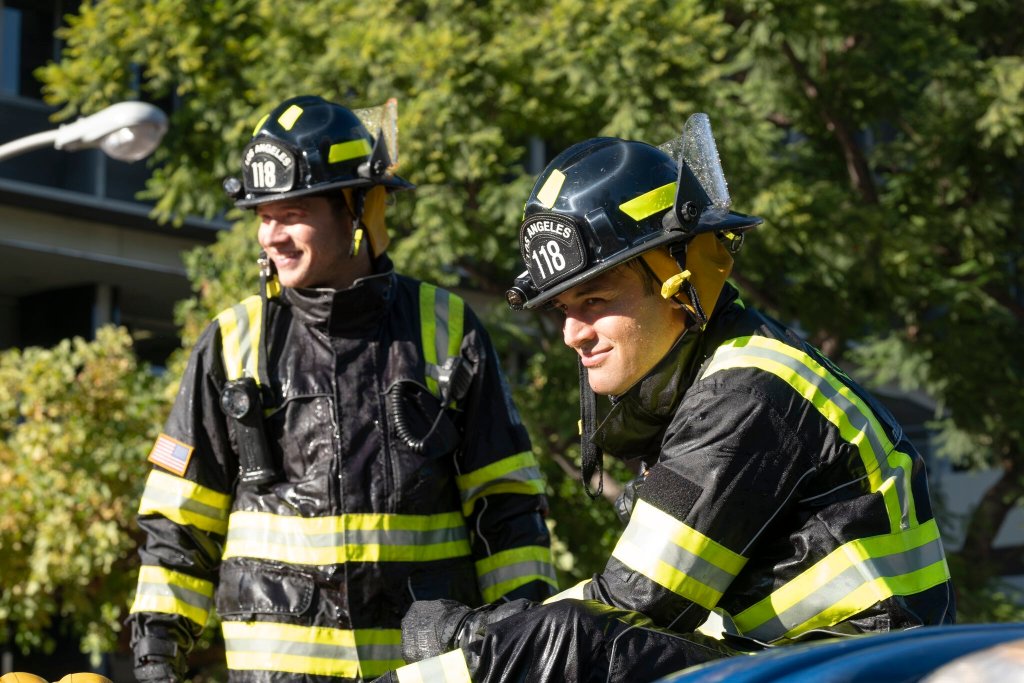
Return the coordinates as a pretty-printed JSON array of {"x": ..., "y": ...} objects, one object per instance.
[
  {"x": 676, "y": 556},
  {"x": 887, "y": 469},
  {"x": 574, "y": 593},
  {"x": 450, "y": 667},
  {"x": 185, "y": 502},
  {"x": 170, "y": 592},
  {"x": 507, "y": 570},
  {"x": 442, "y": 317},
  {"x": 311, "y": 650},
  {"x": 347, "y": 538},
  {"x": 850, "y": 579},
  {"x": 240, "y": 329},
  {"x": 515, "y": 474}
]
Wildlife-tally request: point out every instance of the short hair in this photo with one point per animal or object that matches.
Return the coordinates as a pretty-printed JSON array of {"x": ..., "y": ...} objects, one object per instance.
[{"x": 647, "y": 277}]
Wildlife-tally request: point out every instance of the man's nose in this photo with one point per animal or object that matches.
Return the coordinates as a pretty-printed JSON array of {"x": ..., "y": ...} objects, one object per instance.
[{"x": 576, "y": 332}]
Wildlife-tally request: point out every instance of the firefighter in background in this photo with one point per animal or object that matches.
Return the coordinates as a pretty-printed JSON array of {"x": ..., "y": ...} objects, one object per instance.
[
  {"x": 341, "y": 445},
  {"x": 774, "y": 490}
]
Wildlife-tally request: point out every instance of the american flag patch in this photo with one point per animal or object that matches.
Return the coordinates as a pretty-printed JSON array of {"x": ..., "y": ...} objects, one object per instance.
[{"x": 171, "y": 454}]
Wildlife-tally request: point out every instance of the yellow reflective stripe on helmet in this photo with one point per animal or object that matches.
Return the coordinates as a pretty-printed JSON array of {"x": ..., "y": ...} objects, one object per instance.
[
  {"x": 311, "y": 650},
  {"x": 676, "y": 556},
  {"x": 549, "y": 191},
  {"x": 170, "y": 592},
  {"x": 260, "y": 124},
  {"x": 650, "y": 203},
  {"x": 850, "y": 579},
  {"x": 888, "y": 470},
  {"x": 290, "y": 115},
  {"x": 515, "y": 474},
  {"x": 507, "y": 570},
  {"x": 240, "y": 330},
  {"x": 442, "y": 318},
  {"x": 350, "y": 149},
  {"x": 347, "y": 538},
  {"x": 450, "y": 667},
  {"x": 185, "y": 502}
]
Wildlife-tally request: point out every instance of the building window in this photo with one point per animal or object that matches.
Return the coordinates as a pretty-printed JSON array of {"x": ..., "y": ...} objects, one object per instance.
[{"x": 28, "y": 43}]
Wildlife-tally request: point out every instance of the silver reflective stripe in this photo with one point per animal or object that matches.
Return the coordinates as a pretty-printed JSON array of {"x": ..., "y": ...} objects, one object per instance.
[
  {"x": 185, "y": 595},
  {"x": 695, "y": 567},
  {"x": 856, "y": 412},
  {"x": 514, "y": 571},
  {"x": 294, "y": 647},
  {"x": 527, "y": 475},
  {"x": 844, "y": 584},
  {"x": 401, "y": 537},
  {"x": 447, "y": 668},
  {"x": 158, "y": 499}
]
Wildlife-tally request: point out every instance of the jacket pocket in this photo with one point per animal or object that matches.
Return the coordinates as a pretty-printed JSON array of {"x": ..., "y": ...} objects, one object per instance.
[{"x": 248, "y": 589}]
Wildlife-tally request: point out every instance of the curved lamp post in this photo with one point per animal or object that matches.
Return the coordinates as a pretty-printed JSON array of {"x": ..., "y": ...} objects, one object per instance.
[{"x": 126, "y": 131}]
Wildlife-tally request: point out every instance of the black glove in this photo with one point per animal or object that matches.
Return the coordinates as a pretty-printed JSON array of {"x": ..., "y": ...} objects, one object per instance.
[
  {"x": 433, "y": 627},
  {"x": 159, "y": 661}
]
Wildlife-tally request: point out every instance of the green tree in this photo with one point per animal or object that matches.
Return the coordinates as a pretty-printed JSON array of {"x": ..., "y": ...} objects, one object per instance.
[
  {"x": 76, "y": 422},
  {"x": 881, "y": 141}
]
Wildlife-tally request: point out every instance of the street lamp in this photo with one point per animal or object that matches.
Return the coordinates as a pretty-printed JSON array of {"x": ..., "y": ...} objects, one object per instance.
[{"x": 127, "y": 131}]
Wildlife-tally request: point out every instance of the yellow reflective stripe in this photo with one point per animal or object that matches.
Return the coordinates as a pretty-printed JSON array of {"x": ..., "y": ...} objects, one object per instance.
[
  {"x": 185, "y": 502},
  {"x": 290, "y": 116},
  {"x": 427, "y": 326},
  {"x": 450, "y": 667},
  {"x": 574, "y": 593},
  {"x": 347, "y": 538},
  {"x": 260, "y": 124},
  {"x": 548, "y": 194},
  {"x": 343, "y": 151},
  {"x": 650, "y": 203},
  {"x": 507, "y": 570},
  {"x": 240, "y": 330},
  {"x": 515, "y": 474},
  {"x": 442, "y": 318},
  {"x": 850, "y": 579},
  {"x": 170, "y": 592},
  {"x": 312, "y": 650},
  {"x": 888, "y": 470},
  {"x": 676, "y": 556}
]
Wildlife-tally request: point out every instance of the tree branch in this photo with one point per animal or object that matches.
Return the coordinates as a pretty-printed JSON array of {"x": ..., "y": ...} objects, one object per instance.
[{"x": 856, "y": 164}]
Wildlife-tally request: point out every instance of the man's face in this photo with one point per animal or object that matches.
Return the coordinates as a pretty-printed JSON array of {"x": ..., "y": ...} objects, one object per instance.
[
  {"x": 308, "y": 240},
  {"x": 618, "y": 328}
]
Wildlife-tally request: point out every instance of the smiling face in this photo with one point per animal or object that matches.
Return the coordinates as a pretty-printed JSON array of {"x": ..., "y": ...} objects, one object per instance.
[
  {"x": 309, "y": 241},
  {"x": 619, "y": 328}
]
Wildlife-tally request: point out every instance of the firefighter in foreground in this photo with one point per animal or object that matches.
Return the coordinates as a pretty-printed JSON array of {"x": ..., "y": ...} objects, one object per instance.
[
  {"x": 341, "y": 445},
  {"x": 774, "y": 491}
]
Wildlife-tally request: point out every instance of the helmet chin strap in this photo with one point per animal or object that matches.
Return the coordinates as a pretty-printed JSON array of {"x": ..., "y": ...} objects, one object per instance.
[
  {"x": 692, "y": 274},
  {"x": 591, "y": 457}
]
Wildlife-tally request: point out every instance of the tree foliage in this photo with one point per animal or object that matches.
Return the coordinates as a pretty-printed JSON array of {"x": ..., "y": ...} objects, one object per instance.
[
  {"x": 881, "y": 140},
  {"x": 76, "y": 422}
]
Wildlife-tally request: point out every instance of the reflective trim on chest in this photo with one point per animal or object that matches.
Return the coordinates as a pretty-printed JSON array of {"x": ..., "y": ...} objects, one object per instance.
[{"x": 442, "y": 316}]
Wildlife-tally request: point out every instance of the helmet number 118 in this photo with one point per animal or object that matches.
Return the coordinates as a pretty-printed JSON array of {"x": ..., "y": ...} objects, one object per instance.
[{"x": 552, "y": 257}]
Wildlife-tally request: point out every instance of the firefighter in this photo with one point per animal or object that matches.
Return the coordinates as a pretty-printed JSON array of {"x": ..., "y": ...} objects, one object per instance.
[
  {"x": 774, "y": 490},
  {"x": 341, "y": 445}
]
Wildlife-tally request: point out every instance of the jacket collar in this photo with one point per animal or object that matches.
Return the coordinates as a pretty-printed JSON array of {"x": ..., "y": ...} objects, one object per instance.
[
  {"x": 344, "y": 312},
  {"x": 635, "y": 424}
]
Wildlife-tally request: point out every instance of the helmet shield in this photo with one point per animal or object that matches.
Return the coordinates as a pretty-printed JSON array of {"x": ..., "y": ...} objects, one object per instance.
[
  {"x": 307, "y": 145},
  {"x": 604, "y": 201}
]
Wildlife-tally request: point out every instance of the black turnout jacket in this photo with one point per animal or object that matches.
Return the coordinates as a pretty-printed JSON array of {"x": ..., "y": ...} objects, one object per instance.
[{"x": 388, "y": 488}]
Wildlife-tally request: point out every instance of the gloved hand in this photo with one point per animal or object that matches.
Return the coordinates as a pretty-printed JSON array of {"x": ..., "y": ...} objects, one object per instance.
[
  {"x": 433, "y": 627},
  {"x": 159, "y": 661}
]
